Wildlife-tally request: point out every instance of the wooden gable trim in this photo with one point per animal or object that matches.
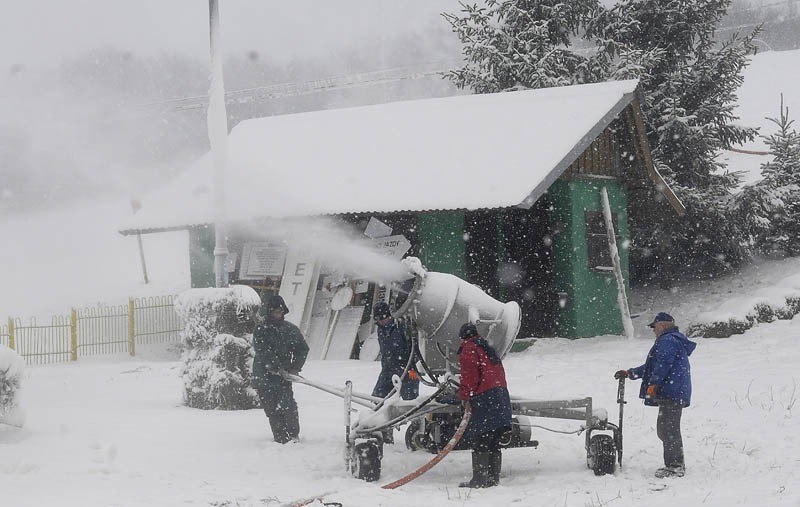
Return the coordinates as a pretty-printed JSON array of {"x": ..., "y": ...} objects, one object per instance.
[
  {"x": 601, "y": 158},
  {"x": 636, "y": 126}
]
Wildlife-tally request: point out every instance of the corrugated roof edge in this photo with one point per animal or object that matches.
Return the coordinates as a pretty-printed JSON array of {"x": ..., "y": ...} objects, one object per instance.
[{"x": 187, "y": 226}]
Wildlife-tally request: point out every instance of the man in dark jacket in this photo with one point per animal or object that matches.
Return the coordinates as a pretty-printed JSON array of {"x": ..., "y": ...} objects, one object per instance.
[
  {"x": 483, "y": 385},
  {"x": 395, "y": 353},
  {"x": 667, "y": 383},
  {"x": 279, "y": 347}
]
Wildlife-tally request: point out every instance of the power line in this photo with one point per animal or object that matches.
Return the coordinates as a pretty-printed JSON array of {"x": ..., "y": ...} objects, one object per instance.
[{"x": 292, "y": 89}]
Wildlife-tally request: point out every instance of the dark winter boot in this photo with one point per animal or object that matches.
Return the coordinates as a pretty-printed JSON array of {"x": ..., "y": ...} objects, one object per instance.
[
  {"x": 278, "y": 424},
  {"x": 291, "y": 420},
  {"x": 495, "y": 463},
  {"x": 480, "y": 471}
]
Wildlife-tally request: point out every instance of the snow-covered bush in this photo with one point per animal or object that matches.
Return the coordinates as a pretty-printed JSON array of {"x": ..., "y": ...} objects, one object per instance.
[
  {"x": 11, "y": 368},
  {"x": 218, "y": 352},
  {"x": 737, "y": 315}
]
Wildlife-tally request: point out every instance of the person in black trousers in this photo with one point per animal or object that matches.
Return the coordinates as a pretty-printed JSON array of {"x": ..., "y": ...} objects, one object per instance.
[
  {"x": 666, "y": 383},
  {"x": 279, "y": 348}
]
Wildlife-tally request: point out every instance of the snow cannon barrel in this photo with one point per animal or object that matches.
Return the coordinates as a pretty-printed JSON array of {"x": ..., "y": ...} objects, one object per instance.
[{"x": 441, "y": 303}]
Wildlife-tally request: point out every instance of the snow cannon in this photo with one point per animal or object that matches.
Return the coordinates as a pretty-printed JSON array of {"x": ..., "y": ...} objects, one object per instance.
[{"x": 439, "y": 303}]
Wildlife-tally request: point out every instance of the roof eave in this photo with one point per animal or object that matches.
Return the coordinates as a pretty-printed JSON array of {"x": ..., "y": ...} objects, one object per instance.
[{"x": 576, "y": 151}]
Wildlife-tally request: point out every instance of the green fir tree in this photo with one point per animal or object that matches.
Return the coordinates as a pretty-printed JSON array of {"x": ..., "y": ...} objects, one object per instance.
[
  {"x": 771, "y": 207},
  {"x": 689, "y": 82}
]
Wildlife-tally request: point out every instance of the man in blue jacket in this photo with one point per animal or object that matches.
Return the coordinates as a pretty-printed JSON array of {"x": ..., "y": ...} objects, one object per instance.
[
  {"x": 666, "y": 383},
  {"x": 396, "y": 349}
]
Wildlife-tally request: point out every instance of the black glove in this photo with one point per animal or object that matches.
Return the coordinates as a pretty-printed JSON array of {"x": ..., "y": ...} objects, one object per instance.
[{"x": 621, "y": 374}]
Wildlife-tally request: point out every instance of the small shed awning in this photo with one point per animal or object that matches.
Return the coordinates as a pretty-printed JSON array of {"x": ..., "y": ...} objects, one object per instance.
[{"x": 463, "y": 152}]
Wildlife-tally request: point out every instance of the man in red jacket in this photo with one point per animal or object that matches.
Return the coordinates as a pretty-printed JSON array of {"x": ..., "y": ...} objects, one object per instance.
[{"x": 483, "y": 385}]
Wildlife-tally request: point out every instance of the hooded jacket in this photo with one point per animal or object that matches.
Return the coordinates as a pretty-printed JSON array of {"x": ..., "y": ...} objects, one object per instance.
[
  {"x": 278, "y": 345},
  {"x": 483, "y": 384},
  {"x": 667, "y": 366},
  {"x": 395, "y": 351}
]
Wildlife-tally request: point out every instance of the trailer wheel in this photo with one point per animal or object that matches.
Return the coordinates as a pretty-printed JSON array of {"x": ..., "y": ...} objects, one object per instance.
[
  {"x": 601, "y": 455},
  {"x": 367, "y": 461},
  {"x": 412, "y": 439}
]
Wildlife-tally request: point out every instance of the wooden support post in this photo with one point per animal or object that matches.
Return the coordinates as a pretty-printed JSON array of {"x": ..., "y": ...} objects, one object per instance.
[
  {"x": 141, "y": 257},
  {"x": 622, "y": 297},
  {"x": 73, "y": 333},
  {"x": 131, "y": 328},
  {"x": 11, "y": 339}
]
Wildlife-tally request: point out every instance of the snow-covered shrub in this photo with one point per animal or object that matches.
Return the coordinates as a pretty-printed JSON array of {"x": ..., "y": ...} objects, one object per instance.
[
  {"x": 11, "y": 368},
  {"x": 737, "y": 315},
  {"x": 791, "y": 309},
  {"x": 719, "y": 329},
  {"x": 218, "y": 352}
]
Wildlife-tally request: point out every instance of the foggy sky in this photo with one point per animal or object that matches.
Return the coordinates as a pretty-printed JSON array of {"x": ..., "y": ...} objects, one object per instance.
[
  {"x": 40, "y": 32},
  {"x": 89, "y": 87}
]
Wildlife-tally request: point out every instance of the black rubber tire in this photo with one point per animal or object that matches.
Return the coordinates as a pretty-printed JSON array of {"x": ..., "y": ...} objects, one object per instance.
[
  {"x": 413, "y": 427},
  {"x": 601, "y": 456},
  {"x": 367, "y": 464}
]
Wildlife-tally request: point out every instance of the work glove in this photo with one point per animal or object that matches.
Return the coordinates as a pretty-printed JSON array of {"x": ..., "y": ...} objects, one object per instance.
[
  {"x": 621, "y": 374},
  {"x": 413, "y": 375},
  {"x": 651, "y": 391}
]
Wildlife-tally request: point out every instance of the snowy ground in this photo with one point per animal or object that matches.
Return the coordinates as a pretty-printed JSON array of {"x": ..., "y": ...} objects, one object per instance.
[{"x": 113, "y": 431}]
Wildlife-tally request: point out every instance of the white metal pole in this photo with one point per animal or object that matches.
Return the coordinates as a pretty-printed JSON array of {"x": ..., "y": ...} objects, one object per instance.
[
  {"x": 622, "y": 297},
  {"x": 217, "y": 123}
]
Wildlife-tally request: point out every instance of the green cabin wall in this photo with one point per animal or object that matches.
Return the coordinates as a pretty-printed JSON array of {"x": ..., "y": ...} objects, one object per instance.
[
  {"x": 441, "y": 236},
  {"x": 590, "y": 307},
  {"x": 201, "y": 256}
]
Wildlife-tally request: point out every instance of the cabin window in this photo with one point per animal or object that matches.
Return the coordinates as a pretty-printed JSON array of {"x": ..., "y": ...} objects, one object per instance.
[{"x": 597, "y": 241}]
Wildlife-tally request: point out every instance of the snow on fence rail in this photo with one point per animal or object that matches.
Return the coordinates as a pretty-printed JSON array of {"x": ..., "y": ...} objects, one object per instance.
[{"x": 103, "y": 329}]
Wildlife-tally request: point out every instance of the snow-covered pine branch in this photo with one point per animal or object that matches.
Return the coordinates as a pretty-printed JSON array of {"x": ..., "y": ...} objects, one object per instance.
[
  {"x": 218, "y": 351},
  {"x": 12, "y": 367}
]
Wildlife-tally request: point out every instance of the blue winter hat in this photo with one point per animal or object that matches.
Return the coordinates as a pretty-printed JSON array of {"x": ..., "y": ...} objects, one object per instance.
[{"x": 661, "y": 317}]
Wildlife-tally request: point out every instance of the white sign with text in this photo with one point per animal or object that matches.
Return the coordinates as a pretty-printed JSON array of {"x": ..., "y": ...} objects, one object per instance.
[{"x": 298, "y": 277}]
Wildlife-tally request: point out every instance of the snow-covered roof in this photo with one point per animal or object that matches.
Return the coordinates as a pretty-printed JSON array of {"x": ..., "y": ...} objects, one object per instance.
[{"x": 462, "y": 152}]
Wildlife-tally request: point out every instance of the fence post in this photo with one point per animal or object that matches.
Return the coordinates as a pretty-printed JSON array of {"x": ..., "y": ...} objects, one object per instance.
[
  {"x": 73, "y": 332},
  {"x": 11, "y": 342},
  {"x": 131, "y": 328}
]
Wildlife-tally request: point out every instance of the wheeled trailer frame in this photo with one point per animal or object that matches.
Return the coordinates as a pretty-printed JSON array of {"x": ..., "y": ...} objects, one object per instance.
[{"x": 432, "y": 421}]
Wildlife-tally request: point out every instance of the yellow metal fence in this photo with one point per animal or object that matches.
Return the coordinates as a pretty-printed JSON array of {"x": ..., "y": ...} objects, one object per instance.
[{"x": 94, "y": 331}]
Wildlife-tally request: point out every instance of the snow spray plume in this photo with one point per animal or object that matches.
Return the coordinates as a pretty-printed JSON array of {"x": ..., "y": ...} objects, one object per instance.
[{"x": 337, "y": 245}]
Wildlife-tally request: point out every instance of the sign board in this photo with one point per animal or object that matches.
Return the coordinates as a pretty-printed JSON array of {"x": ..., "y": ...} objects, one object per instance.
[
  {"x": 318, "y": 324},
  {"x": 377, "y": 229},
  {"x": 262, "y": 259},
  {"x": 392, "y": 246},
  {"x": 296, "y": 284},
  {"x": 344, "y": 334}
]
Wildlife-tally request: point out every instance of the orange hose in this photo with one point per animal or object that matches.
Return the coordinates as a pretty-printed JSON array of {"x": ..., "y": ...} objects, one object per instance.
[{"x": 439, "y": 457}]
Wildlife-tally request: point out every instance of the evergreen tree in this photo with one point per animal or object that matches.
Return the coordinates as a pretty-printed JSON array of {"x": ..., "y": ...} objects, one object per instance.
[
  {"x": 689, "y": 84},
  {"x": 771, "y": 208},
  {"x": 517, "y": 44}
]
